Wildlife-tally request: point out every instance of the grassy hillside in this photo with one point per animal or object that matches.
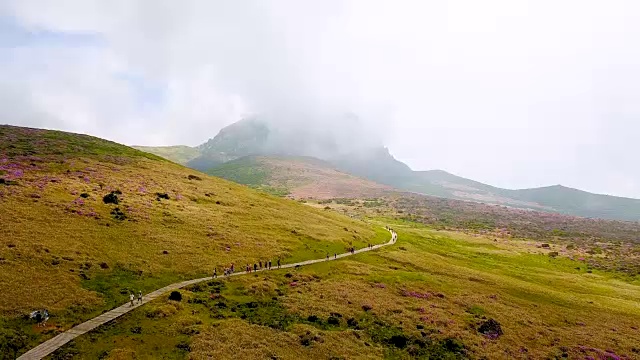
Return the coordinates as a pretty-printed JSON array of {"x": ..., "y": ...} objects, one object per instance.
[
  {"x": 180, "y": 154},
  {"x": 300, "y": 177},
  {"x": 434, "y": 295},
  {"x": 62, "y": 247}
]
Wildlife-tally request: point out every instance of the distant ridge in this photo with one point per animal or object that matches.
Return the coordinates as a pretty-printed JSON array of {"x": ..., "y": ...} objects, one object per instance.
[{"x": 253, "y": 137}]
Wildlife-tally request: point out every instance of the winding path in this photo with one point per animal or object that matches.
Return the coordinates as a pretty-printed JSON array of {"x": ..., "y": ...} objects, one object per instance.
[{"x": 58, "y": 341}]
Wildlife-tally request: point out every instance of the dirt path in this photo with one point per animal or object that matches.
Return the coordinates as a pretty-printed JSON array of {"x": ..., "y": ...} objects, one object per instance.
[{"x": 58, "y": 341}]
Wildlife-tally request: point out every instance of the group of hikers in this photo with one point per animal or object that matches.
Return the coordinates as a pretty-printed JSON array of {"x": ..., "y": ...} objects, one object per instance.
[
  {"x": 132, "y": 297},
  {"x": 40, "y": 316},
  {"x": 267, "y": 264},
  {"x": 256, "y": 266}
]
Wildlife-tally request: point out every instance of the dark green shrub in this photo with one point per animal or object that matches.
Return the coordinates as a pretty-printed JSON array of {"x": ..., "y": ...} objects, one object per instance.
[
  {"x": 175, "y": 296},
  {"x": 162, "y": 196},
  {"x": 399, "y": 341},
  {"x": 184, "y": 346},
  {"x": 332, "y": 320},
  {"x": 118, "y": 214},
  {"x": 7, "y": 182},
  {"x": 491, "y": 328},
  {"x": 111, "y": 198}
]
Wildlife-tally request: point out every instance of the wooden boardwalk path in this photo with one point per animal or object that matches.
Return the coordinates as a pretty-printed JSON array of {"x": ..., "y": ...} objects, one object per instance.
[{"x": 58, "y": 341}]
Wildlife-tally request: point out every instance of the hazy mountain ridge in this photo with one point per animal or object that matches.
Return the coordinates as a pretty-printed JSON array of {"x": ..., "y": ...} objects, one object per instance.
[{"x": 375, "y": 163}]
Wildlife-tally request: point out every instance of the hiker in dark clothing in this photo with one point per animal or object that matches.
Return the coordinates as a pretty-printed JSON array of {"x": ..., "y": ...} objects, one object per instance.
[
  {"x": 260, "y": 264},
  {"x": 255, "y": 267},
  {"x": 278, "y": 263},
  {"x": 327, "y": 256},
  {"x": 248, "y": 268},
  {"x": 269, "y": 264},
  {"x": 335, "y": 256}
]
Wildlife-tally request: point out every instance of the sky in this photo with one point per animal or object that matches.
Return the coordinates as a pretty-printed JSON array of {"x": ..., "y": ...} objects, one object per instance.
[{"x": 512, "y": 93}]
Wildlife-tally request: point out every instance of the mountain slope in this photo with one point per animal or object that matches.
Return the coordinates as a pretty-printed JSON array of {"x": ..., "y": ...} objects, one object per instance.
[
  {"x": 300, "y": 177},
  {"x": 582, "y": 203},
  {"x": 375, "y": 163},
  {"x": 63, "y": 248}
]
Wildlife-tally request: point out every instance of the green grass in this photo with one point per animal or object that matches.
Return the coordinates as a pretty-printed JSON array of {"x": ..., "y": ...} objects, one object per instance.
[
  {"x": 425, "y": 297},
  {"x": 179, "y": 154},
  {"x": 243, "y": 171},
  {"x": 19, "y": 141},
  {"x": 61, "y": 247}
]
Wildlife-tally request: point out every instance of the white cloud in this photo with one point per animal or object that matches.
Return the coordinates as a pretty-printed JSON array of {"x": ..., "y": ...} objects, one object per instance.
[{"x": 513, "y": 93}]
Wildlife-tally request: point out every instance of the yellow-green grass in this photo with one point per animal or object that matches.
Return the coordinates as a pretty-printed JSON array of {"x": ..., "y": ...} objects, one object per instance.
[
  {"x": 63, "y": 249},
  {"x": 433, "y": 289},
  {"x": 180, "y": 154}
]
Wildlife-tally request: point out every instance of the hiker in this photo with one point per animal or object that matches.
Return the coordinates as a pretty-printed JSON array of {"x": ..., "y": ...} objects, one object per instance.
[
  {"x": 131, "y": 298},
  {"x": 248, "y": 270},
  {"x": 278, "y": 263},
  {"x": 269, "y": 264},
  {"x": 255, "y": 267},
  {"x": 327, "y": 256},
  {"x": 335, "y": 256},
  {"x": 140, "y": 296},
  {"x": 260, "y": 264},
  {"x": 45, "y": 317}
]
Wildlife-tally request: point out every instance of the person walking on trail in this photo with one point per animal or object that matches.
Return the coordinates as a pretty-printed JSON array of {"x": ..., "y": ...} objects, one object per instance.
[
  {"x": 327, "y": 256},
  {"x": 255, "y": 267},
  {"x": 335, "y": 256},
  {"x": 248, "y": 269},
  {"x": 269, "y": 264},
  {"x": 140, "y": 296},
  {"x": 278, "y": 263},
  {"x": 131, "y": 298}
]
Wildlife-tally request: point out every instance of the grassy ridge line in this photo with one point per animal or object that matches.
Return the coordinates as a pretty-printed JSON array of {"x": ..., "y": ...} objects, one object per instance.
[{"x": 55, "y": 343}]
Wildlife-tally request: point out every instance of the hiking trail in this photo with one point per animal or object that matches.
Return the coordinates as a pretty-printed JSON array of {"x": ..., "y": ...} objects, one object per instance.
[{"x": 59, "y": 340}]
